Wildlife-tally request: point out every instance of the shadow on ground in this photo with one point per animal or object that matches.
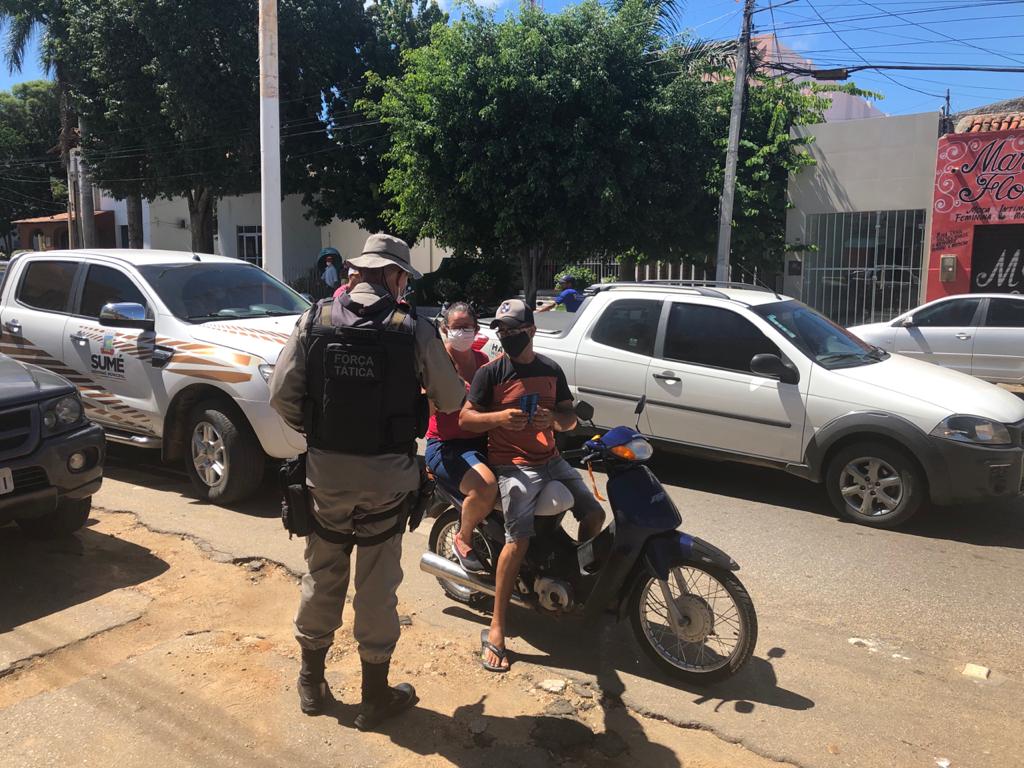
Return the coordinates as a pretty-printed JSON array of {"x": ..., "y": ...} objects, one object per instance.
[
  {"x": 567, "y": 644},
  {"x": 139, "y": 466},
  {"x": 43, "y": 577},
  {"x": 473, "y": 739}
]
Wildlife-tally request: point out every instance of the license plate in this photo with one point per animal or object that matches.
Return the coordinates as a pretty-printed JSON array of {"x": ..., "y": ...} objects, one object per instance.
[{"x": 6, "y": 480}]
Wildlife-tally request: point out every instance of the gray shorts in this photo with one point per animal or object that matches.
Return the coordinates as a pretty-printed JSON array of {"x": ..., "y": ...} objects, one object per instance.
[{"x": 520, "y": 485}]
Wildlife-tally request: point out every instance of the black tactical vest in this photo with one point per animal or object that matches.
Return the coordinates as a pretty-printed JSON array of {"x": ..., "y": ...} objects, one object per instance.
[{"x": 364, "y": 392}]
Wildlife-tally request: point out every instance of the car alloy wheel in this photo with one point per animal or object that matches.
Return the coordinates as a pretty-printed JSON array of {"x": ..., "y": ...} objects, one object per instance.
[
  {"x": 209, "y": 454},
  {"x": 871, "y": 487}
]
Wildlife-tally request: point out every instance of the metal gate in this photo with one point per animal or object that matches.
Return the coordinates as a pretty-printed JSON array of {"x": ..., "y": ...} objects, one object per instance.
[{"x": 863, "y": 267}]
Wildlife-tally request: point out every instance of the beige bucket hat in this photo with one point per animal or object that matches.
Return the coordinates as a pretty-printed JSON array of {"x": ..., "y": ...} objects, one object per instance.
[{"x": 385, "y": 251}]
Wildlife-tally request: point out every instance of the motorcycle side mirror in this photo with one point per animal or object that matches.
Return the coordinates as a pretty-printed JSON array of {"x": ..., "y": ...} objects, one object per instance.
[{"x": 584, "y": 411}]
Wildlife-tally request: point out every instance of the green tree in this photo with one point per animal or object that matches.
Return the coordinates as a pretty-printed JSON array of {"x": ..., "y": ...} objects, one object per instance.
[
  {"x": 539, "y": 136},
  {"x": 346, "y": 177},
  {"x": 29, "y": 160}
]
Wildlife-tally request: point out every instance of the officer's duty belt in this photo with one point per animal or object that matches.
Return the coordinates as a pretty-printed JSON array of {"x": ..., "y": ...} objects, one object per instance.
[{"x": 401, "y": 510}]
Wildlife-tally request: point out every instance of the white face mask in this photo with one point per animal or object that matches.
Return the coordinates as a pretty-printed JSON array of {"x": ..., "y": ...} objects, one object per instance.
[{"x": 461, "y": 339}]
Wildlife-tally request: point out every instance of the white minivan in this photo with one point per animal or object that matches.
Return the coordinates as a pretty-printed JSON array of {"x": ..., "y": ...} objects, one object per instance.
[{"x": 747, "y": 375}]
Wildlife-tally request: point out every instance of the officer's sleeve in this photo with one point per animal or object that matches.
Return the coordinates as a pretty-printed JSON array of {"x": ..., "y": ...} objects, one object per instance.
[
  {"x": 288, "y": 383},
  {"x": 437, "y": 371}
]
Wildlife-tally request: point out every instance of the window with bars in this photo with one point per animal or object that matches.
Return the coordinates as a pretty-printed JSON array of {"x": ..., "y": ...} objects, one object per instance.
[
  {"x": 250, "y": 244},
  {"x": 863, "y": 267}
]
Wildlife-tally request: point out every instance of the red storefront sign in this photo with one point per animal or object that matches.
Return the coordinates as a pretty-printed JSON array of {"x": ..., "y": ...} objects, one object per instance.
[{"x": 978, "y": 215}]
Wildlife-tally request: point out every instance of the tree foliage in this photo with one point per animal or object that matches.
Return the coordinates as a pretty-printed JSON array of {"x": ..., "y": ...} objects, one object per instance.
[
  {"x": 533, "y": 136},
  {"x": 29, "y": 157},
  {"x": 169, "y": 90},
  {"x": 345, "y": 178}
]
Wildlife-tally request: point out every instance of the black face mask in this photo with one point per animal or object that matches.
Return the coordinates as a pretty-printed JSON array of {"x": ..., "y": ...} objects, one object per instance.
[{"x": 514, "y": 345}]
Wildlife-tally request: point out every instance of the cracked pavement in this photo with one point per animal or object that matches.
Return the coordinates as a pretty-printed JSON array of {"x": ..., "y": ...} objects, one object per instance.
[{"x": 863, "y": 638}]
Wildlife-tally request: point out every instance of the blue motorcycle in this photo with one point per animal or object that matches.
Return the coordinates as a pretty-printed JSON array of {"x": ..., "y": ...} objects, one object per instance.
[{"x": 689, "y": 611}]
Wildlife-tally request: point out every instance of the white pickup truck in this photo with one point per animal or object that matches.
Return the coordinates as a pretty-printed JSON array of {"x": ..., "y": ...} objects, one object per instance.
[
  {"x": 747, "y": 375},
  {"x": 168, "y": 350}
]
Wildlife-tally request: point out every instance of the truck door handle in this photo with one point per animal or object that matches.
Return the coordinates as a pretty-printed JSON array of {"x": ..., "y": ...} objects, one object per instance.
[
  {"x": 665, "y": 376},
  {"x": 79, "y": 339},
  {"x": 13, "y": 326},
  {"x": 963, "y": 336}
]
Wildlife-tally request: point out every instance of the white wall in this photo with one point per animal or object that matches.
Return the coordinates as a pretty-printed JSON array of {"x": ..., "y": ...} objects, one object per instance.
[
  {"x": 120, "y": 209},
  {"x": 301, "y": 236},
  {"x": 878, "y": 164},
  {"x": 169, "y": 227}
]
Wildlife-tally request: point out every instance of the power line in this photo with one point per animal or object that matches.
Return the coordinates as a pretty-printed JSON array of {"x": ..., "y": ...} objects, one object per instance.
[{"x": 859, "y": 56}]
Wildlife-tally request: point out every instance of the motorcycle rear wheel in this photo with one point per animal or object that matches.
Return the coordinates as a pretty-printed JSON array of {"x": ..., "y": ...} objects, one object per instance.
[
  {"x": 442, "y": 542},
  {"x": 718, "y": 628}
]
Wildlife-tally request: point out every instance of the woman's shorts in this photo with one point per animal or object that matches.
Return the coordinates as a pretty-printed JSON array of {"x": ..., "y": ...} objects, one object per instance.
[{"x": 450, "y": 460}]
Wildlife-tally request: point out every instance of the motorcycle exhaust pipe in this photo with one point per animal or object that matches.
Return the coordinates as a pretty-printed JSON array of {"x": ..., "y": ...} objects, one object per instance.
[{"x": 449, "y": 570}]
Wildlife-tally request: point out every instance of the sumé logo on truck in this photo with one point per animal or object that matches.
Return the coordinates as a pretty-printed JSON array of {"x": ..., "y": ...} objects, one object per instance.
[{"x": 109, "y": 362}]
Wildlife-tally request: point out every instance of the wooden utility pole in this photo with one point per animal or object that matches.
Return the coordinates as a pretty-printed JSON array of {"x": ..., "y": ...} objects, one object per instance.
[{"x": 733, "y": 151}]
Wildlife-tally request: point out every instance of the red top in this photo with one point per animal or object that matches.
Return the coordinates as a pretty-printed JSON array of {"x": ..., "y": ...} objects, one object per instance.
[
  {"x": 445, "y": 426},
  {"x": 343, "y": 288}
]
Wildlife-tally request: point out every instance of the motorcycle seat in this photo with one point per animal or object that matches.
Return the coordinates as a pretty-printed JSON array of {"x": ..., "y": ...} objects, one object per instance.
[{"x": 554, "y": 499}]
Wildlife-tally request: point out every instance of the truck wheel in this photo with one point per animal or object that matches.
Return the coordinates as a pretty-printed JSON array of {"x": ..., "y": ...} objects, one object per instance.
[
  {"x": 875, "y": 484},
  {"x": 223, "y": 458},
  {"x": 68, "y": 517}
]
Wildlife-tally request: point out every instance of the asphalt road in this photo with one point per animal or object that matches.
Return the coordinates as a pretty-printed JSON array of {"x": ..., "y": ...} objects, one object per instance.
[{"x": 863, "y": 633}]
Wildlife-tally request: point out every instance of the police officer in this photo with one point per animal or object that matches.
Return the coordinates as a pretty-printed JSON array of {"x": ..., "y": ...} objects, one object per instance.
[{"x": 351, "y": 378}]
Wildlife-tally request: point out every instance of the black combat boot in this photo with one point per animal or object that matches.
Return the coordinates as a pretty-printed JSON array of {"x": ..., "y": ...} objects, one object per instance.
[
  {"x": 381, "y": 701},
  {"x": 313, "y": 690}
]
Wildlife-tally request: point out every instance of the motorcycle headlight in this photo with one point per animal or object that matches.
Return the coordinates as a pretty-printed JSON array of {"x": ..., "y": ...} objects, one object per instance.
[
  {"x": 62, "y": 412},
  {"x": 637, "y": 449},
  {"x": 266, "y": 371},
  {"x": 973, "y": 429}
]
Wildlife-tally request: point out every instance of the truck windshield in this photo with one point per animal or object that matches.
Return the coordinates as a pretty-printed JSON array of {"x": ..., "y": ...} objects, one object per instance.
[
  {"x": 819, "y": 338},
  {"x": 200, "y": 292}
]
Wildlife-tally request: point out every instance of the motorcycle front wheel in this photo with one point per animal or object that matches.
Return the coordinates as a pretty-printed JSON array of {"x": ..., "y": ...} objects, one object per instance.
[{"x": 698, "y": 626}]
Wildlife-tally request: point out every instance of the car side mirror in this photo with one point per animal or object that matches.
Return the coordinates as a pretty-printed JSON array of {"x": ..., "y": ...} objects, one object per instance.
[
  {"x": 584, "y": 411},
  {"x": 126, "y": 314},
  {"x": 774, "y": 367},
  {"x": 906, "y": 322}
]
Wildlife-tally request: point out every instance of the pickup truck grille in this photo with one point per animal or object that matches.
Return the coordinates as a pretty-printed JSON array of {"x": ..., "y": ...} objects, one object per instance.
[
  {"x": 30, "y": 479},
  {"x": 18, "y": 431}
]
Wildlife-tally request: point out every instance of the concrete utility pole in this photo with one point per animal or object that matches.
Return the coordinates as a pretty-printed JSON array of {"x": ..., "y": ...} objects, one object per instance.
[
  {"x": 270, "y": 141},
  {"x": 87, "y": 210},
  {"x": 732, "y": 153}
]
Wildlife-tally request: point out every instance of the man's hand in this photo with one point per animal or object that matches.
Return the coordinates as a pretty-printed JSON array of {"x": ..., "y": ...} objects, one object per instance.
[
  {"x": 543, "y": 418},
  {"x": 512, "y": 418}
]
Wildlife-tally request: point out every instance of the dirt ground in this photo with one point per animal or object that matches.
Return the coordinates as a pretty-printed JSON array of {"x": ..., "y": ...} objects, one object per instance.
[{"x": 204, "y": 675}]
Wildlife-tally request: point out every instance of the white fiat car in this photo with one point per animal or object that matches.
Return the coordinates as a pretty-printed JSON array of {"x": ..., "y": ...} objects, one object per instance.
[
  {"x": 169, "y": 350},
  {"x": 746, "y": 375},
  {"x": 979, "y": 333}
]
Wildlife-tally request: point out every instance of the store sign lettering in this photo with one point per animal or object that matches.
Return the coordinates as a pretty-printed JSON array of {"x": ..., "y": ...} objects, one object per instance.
[
  {"x": 1003, "y": 275},
  {"x": 994, "y": 168}
]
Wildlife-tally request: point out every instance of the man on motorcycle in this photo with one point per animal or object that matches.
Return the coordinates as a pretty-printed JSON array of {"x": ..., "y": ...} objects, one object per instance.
[{"x": 520, "y": 400}]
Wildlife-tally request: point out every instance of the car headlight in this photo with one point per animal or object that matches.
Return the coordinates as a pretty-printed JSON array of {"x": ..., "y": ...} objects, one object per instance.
[
  {"x": 62, "y": 412},
  {"x": 973, "y": 429},
  {"x": 266, "y": 371}
]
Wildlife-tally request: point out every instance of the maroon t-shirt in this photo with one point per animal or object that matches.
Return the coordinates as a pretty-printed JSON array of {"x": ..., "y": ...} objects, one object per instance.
[{"x": 499, "y": 385}]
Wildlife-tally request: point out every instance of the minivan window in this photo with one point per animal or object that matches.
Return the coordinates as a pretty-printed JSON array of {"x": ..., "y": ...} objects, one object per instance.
[
  {"x": 715, "y": 337},
  {"x": 630, "y": 325},
  {"x": 47, "y": 285},
  {"x": 948, "y": 314},
  {"x": 1005, "y": 313},
  {"x": 203, "y": 291},
  {"x": 824, "y": 342},
  {"x": 104, "y": 285}
]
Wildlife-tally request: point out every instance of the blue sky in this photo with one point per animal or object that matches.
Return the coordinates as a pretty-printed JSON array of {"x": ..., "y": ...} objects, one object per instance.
[{"x": 986, "y": 32}]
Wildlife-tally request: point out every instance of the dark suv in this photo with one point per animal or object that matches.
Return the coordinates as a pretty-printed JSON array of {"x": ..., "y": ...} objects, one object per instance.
[{"x": 51, "y": 456}]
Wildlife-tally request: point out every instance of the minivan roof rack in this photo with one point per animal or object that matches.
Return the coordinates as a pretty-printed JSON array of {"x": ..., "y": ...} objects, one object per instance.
[{"x": 702, "y": 287}]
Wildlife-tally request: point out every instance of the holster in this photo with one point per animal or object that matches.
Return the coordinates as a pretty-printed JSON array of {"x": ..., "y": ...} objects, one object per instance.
[
  {"x": 421, "y": 498},
  {"x": 296, "y": 505}
]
